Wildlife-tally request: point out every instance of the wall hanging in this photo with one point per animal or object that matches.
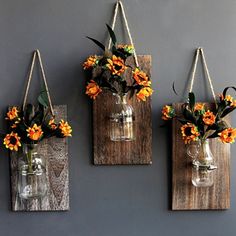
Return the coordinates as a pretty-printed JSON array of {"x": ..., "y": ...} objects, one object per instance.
[
  {"x": 201, "y": 167},
  {"x": 38, "y": 152},
  {"x": 120, "y": 88}
]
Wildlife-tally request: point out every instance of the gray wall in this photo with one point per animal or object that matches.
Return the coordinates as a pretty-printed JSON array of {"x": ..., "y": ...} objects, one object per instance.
[{"x": 119, "y": 200}]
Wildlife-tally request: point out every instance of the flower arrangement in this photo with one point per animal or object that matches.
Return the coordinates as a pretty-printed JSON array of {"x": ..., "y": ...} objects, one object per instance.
[
  {"x": 32, "y": 126},
  {"x": 110, "y": 70},
  {"x": 200, "y": 123}
]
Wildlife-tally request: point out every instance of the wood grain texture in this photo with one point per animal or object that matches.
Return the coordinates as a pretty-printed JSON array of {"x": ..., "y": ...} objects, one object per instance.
[
  {"x": 55, "y": 152},
  {"x": 184, "y": 195},
  {"x": 108, "y": 152}
]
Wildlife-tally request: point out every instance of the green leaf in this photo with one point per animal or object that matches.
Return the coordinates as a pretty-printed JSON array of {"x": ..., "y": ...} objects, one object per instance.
[
  {"x": 227, "y": 111},
  {"x": 112, "y": 34},
  {"x": 43, "y": 99},
  {"x": 226, "y": 89},
  {"x": 191, "y": 98},
  {"x": 182, "y": 121},
  {"x": 39, "y": 115},
  {"x": 173, "y": 87},
  {"x": 189, "y": 116},
  {"x": 29, "y": 113},
  {"x": 98, "y": 43}
]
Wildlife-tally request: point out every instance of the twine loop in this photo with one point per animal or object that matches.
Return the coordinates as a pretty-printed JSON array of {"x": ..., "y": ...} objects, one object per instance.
[
  {"x": 120, "y": 4},
  {"x": 38, "y": 55},
  {"x": 200, "y": 52}
]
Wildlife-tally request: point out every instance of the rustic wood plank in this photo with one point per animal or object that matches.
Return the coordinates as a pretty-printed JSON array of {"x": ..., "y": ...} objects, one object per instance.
[
  {"x": 108, "y": 152},
  {"x": 184, "y": 195},
  {"x": 55, "y": 152}
]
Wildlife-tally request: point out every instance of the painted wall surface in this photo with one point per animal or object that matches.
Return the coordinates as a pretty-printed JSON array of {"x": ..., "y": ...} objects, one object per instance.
[{"x": 117, "y": 200}]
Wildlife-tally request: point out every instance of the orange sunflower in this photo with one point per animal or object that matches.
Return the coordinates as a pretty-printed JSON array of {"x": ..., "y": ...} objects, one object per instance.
[
  {"x": 12, "y": 141},
  {"x": 116, "y": 65},
  {"x": 199, "y": 106},
  {"x": 208, "y": 118},
  {"x": 65, "y": 128},
  {"x": 168, "y": 112},
  {"x": 92, "y": 89},
  {"x": 140, "y": 77},
  {"x": 144, "y": 93},
  {"x": 228, "y": 135},
  {"x": 90, "y": 62},
  {"x": 12, "y": 113},
  {"x": 189, "y": 132},
  {"x": 52, "y": 124},
  {"x": 35, "y": 132}
]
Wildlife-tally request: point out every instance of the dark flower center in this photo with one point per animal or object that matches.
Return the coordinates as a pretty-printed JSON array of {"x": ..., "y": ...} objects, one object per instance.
[
  {"x": 141, "y": 78},
  {"x": 187, "y": 131},
  {"x": 117, "y": 67},
  {"x": 13, "y": 140}
]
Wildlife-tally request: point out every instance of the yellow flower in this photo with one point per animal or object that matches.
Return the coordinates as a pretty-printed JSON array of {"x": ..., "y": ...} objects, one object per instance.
[
  {"x": 167, "y": 112},
  {"x": 233, "y": 104},
  {"x": 90, "y": 62},
  {"x": 12, "y": 113},
  {"x": 189, "y": 132},
  {"x": 92, "y": 89},
  {"x": 199, "y": 106},
  {"x": 126, "y": 47},
  {"x": 35, "y": 132},
  {"x": 228, "y": 135},
  {"x": 140, "y": 77},
  {"x": 12, "y": 141},
  {"x": 228, "y": 99},
  {"x": 65, "y": 128},
  {"x": 209, "y": 118},
  {"x": 116, "y": 65},
  {"x": 144, "y": 93},
  {"x": 52, "y": 124}
]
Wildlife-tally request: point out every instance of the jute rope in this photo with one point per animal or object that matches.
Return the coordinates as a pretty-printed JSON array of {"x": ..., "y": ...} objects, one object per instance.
[
  {"x": 119, "y": 3},
  {"x": 37, "y": 54},
  {"x": 200, "y": 52}
]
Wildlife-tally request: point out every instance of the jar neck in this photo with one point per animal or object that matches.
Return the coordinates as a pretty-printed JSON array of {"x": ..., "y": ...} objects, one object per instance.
[
  {"x": 30, "y": 148},
  {"x": 204, "y": 144},
  {"x": 120, "y": 98}
]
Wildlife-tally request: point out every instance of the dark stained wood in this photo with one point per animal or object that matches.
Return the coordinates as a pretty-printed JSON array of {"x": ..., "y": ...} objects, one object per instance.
[
  {"x": 108, "y": 152},
  {"x": 184, "y": 195},
  {"x": 55, "y": 152}
]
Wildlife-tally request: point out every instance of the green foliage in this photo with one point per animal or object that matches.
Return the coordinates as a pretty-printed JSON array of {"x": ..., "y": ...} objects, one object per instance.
[
  {"x": 97, "y": 43},
  {"x": 112, "y": 34},
  {"x": 191, "y": 98},
  {"x": 43, "y": 99}
]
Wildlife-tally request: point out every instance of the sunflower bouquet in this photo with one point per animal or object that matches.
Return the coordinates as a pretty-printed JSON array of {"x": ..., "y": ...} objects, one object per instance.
[
  {"x": 110, "y": 68},
  {"x": 200, "y": 123},
  {"x": 32, "y": 125}
]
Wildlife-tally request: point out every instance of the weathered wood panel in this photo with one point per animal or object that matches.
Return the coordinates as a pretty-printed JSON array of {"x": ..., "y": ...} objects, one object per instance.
[
  {"x": 55, "y": 152},
  {"x": 184, "y": 195},
  {"x": 139, "y": 151}
]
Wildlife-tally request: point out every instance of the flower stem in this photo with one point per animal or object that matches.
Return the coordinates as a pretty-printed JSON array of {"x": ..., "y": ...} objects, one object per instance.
[{"x": 29, "y": 157}]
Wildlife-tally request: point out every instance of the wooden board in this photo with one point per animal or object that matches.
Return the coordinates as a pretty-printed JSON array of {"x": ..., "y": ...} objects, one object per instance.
[
  {"x": 55, "y": 152},
  {"x": 107, "y": 152},
  {"x": 184, "y": 195}
]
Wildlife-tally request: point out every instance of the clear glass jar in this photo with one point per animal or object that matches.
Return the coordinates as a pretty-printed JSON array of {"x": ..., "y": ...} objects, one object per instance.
[
  {"x": 32, "y": 181},
  {"x": 202, "y": 163},
  {"x": 122, "y": 125}
]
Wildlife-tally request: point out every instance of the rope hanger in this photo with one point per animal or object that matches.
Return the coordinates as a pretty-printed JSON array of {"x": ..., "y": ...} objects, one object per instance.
[
  {"x": 200, "y": 52},
  {"x": 37, "y": 54},
  {"x": 120, "y": 4}
]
